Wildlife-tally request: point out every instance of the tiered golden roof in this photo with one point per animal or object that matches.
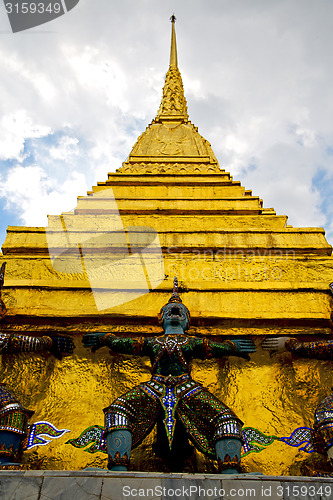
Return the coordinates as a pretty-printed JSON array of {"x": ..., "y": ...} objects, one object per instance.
[{"x": 215, "y": 236}]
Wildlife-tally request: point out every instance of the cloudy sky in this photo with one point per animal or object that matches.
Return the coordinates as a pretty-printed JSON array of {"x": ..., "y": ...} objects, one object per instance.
[{"x": 258, "y": 77}]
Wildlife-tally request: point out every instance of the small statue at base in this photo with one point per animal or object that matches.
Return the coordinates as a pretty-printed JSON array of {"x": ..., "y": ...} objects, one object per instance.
[
  {"x": 13, "y": 416},
  {"x": 211, "y": 426}
]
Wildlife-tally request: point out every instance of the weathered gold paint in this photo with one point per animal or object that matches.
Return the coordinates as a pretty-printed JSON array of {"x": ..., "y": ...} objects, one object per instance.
[{"x": 242, "y": 271}]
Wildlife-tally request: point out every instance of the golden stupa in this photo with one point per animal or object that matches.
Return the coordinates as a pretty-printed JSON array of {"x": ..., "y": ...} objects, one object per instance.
[{"x": 109, "y": 266}]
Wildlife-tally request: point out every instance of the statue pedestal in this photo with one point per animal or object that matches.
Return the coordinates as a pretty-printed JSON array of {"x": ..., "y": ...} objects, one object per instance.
[{"x": 105, "y": 485}]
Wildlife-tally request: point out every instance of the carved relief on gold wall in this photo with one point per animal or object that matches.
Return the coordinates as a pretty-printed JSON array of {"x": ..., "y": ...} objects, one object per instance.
[
  {"x": 172, "y": 139},
  {"x": 169, "y": 168}
]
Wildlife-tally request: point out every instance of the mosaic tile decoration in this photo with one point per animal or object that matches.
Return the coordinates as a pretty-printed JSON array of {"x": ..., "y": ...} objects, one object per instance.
[
  {"x": 255, "y": 441},
  {"x": 38, "y": 430}
]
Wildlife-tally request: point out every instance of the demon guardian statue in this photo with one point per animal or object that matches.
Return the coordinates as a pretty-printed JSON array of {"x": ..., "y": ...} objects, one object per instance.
[
  {"x": 209, "y": 424},
  {"x": 13, "y": 416},
  {"x": 323, "y": 417}
]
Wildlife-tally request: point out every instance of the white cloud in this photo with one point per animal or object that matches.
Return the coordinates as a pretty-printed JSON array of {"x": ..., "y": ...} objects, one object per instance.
[
  {"x": 98, "y": 74},
  {"x": 30, "y": 192},
  {"x": 66, "y": 148},
  {"x": 15, "y": 128}
]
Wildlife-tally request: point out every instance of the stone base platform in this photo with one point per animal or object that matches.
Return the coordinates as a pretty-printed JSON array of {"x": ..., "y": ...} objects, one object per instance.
[{"x": 105, "y": 485}]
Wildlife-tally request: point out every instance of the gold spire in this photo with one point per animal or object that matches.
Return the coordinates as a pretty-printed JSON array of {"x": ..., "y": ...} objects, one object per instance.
[
  {"x": 173, "y": 105},
  {"x": 173, "y": 50}
]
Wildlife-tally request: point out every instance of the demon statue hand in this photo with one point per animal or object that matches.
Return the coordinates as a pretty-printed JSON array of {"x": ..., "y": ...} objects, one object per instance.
[
  {"x": 13, "y": 416},
  {"x": 323, "y": 418},
  {"x": 183, "y": 403}
]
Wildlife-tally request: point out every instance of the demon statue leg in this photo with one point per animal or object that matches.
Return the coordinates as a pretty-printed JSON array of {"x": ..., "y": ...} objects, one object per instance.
[
  {"x": 117, "y": 435},
  {"x": 10, "y": 449},
  {"x": 13, "y": 429},
  {"x": 323, "y": 426},
  {"x": 228, "y": 446},
  {"x": 228, "y": 454},
  {"x": 119, "y": 444}
]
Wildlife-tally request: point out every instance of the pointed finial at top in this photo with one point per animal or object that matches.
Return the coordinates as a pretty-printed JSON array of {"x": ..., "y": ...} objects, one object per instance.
[
  {"x": 175, "y": 294},
  {"x": 173, "y": 51},
  {"x": 173, "y": 106},
  {"x": 175, "y": 285}
]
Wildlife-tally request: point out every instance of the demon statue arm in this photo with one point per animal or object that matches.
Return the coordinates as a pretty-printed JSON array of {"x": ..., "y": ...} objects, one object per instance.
[
  {"x": 121, "y": 345},
  {"x": 205, "y": 348},
  {"x": 321, "y": 349},
  {"x": 12, "y": 343},
  {"x": 200, "y": 348}
]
